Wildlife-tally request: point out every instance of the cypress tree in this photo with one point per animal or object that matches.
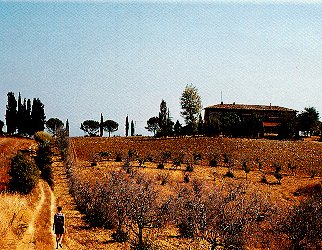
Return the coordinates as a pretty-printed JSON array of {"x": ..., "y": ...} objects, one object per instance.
[
  {"x": 67, "y": 128},
  {"x": 38, "y": 116},
  {"x": 101, "y": 126},
  {"x": 11, "y": 114},
  {"x": 127, "y": 126},
  {"x": 132, "y": 128},
  {"x": 20, "y": 114},
  {"x": 28, "y": 124}
]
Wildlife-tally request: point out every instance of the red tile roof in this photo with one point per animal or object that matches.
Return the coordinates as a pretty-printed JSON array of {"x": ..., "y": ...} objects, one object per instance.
[{"x": 249, "y": 107}]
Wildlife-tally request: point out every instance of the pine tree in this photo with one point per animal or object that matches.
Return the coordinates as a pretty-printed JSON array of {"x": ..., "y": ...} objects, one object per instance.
[
  {"x": 132, "y": 128},
  {"x": 38, "y": 116},
  {"x": 127, "y": 126},
  {"x": 11, "y": 114}
]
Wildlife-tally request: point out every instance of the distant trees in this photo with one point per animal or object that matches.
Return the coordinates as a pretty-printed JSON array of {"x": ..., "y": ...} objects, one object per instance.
[
  {"x": 90, "y": 127},
  {"x": 53, "y": 125},
  {"x": 191, "y": 107},
  {"x": 1, "y": 127},
  {"x": 110, "y": 126},
  {"x": 308, "y": 121},
  {"x": 165, "y": 122},
  {"x": 101, "y": 126},
  {"x": 153, "y": 124},
  {"x": 11, "y": 114},
  {"x": 24, "y": 118},
  {"x": 127, "y": 126},
  {"x": 132, "y": 128}
]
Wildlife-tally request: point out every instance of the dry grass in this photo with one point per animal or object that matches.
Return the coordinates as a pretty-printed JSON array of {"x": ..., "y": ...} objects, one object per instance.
[
  {"x": 8, "y": 148},
  {"x": 14, "y": 218}
]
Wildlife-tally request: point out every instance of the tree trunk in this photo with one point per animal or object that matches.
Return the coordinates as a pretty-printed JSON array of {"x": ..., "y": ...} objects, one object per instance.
[{"x": 140, "y": 236}]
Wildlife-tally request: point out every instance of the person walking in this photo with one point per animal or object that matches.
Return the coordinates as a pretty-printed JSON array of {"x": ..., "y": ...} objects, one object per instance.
[{"x": 59, "y": 226}]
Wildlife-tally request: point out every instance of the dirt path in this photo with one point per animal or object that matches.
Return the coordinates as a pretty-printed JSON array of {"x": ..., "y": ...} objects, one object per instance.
[
  {"x": 29, "y": 239},
  {"x": 74, "y": 219}
]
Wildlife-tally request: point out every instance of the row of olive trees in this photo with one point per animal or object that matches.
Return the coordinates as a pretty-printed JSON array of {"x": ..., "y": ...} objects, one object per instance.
[{"x": 132, "y": 203}]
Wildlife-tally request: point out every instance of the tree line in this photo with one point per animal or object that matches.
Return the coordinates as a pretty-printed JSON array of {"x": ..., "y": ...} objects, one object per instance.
[{"x": 23, "y": 116}]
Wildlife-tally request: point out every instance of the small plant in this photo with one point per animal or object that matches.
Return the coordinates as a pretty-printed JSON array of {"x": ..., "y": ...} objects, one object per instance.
[
  {"x": 277, "y": 173},
  {"x": 291, "y": 167},
  {"x": 213, "y": 161},
  {"x": 141, "y": 161},
  {"x": 263, "y": 179},
  {"x": 197, "y": 157},
  {"x": 165, "y": 156},
  {"x": 163, "y": 177},
  {"x": 229, "y": 174},
  {"x": 93, "y": 164},
  {"x": 259, "y": 163},
  {"x": 127, "y": 166},
  {"x": 246, "y": 168},
  {"x": 132, "y": 153},
  {"x": 189, "y": 168},
  {"x": 104, "y": 154},
  {"x": 177, "y": 161},
  {"x": 149, "y": 158},
  {"x": 118, "y": 157},
  {"x": 120, "y": 236},
  {"x": 160, "y": 166},
  {"x": 186, "y": 178}
]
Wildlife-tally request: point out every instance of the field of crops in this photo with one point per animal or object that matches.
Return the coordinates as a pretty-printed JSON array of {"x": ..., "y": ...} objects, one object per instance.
[
  {"x": 306, "y": 157},
  {"x": 8, "y": 148},
  {"x": 193, "y": 181}
]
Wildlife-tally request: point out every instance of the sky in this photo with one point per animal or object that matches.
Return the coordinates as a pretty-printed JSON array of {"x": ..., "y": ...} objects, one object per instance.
[{"x": 84, "y": 58}]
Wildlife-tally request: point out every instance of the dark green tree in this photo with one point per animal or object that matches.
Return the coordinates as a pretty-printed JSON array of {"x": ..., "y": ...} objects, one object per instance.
[
  {"x": 67, "y": 128},
  {"x": 132, "y": 128},
  {"x": 287, "y": 128},
  {"x": 43, "y": 161},
  {"x": 191, "y": 107},
  {"x": 201, "y": 126},
  {"x": 38, "y": 117},
  {"x": 90, "y": 127},
  {"x": 53, "y": 125},
  {"x": 165, "y": 122},
  {"x": 20, "y": 116},
  {"x": 24, "y": 174},
  {"x": 11, "y": 114},
  {"x": 231, "y": 124},
  {"x": 110, "y": 126},
  {"x": 308, "y": 121},
  {"x": 28, "y": 123},
  {"x": 101, "y": 126},
  {"x": 153, "y": 125},
  {"x": 127, "y": 126},
  {"x": 177, "y": 128},
  {"x": 1, "y": 127}
]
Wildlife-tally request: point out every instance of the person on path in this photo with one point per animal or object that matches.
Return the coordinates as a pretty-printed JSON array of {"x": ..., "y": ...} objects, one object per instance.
[{"x": 59, "y": 226}]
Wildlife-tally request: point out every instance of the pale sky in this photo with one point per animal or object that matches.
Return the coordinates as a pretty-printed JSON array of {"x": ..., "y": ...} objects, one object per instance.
[{"x": 83, "y": 58}]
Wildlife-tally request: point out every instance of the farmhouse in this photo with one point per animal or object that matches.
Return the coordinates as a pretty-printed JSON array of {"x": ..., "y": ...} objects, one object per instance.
[{"x": 269, "y": 116}]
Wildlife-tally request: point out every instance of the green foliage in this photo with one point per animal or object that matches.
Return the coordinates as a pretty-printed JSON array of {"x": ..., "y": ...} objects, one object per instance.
[
  {"x": 90, "y": 127},
  {"x": 11, "y": 113},
  {"x": 1, "y": 127},
  {"x": 53, "y": 125},
  {"x": 43, "y": 161},
  {"x": 120, "y": 236},
  {"x": 127, "y": 126},
  {"x": 165, "y": 122},
  {"x": 24, "y": 174},
  {"x": 38, "y": 117},
  {"x": 153, "y": 125},
  {"x": 110, "y": 126},
  {"x": 191, "y": 106},
  {"x": 308, "y": 121},
  {"x": 42, "y": 137},
  {"x": 132, "y": 128}
]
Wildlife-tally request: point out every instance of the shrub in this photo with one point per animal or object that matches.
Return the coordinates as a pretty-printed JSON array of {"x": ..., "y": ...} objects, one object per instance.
[
  {"x": 163, "y": 177},
  {"x": 214, "y": 161},
  {"x": 43, "y": 161},
  {"x": 42, "y": 136},
  {"x": 160, "y": 166},
  {"x": 118, "y": 157},
  {"x": 229, "y": 174},
  {"x": 189, "y": 168},
  {"x": 197, "y": 157},
  {"x": 186, "y": 178},
  {"x": 104, "y": 154},
  {"x": 24, "y": 174},
  {"x": 120, "y": 236}
]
